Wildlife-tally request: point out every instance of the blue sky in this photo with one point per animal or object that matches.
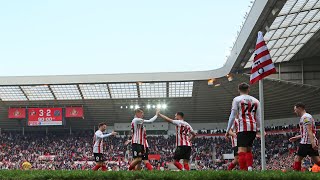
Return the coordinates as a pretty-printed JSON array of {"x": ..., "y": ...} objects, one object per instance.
[{"x": 61, "y": 37}]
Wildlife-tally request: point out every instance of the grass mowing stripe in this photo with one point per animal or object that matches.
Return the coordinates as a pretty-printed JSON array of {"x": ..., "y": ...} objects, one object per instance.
[{"x": 154, "y": 175}]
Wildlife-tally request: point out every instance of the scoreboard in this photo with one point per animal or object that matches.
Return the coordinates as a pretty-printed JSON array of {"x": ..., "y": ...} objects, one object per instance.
[{"x": 45, "y": 116}]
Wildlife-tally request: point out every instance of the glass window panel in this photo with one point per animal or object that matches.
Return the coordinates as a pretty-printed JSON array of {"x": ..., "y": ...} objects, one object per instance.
[
  {"x": 123, "y": 90},
  {"x": 38, "y": 93},
  {"x": 153, "y": 90},
  {"x": 278, "y": 33},
  {"x": 306, "y": 38},
  {"x": 309, "y": 16},
  {"x": 94, "y": 91},
  {"x": 277, "y": 22},
  {"x": 66, "y": 92},
  {"x": 11, "y": 93},
  {"x": 297, "y": 40},
  {"x": 309, "y": 5},
  {"x": 315, "y": 28},
  {"x": 288, "y": 50},
  {"x": 298, "y": 30},
  {"x": 299, "y": 18},
  {"x": 287, "y": 7},
  {"x": 298, "y": 6},
  {"x": 288, "y": 20},
  {"x": 180, "y": 89}
]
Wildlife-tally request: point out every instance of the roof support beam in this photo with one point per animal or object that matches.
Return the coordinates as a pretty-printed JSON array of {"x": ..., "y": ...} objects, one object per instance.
[
  {"x": 24, "y": 93},
  {"x": 55, "y": 98},
  {"x": 109, "y": 91},
  {"x": 138, "y": 89},
  {"x": 78, "y": 86}
]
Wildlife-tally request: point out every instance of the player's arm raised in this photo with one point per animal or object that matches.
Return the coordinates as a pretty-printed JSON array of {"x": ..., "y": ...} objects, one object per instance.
[
  {"x": 295, "y": 138},
  {"x": 154, "y": 117},
  {"x": 169, "y": 120},
  {"x": 106, "y": 135}
]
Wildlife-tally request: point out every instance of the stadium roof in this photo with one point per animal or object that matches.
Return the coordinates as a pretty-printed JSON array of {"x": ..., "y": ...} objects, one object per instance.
[
  {"x": 297, "y": 22},
  {"x": 208, "y": 103},
  {"x": 96, "y": 91}
]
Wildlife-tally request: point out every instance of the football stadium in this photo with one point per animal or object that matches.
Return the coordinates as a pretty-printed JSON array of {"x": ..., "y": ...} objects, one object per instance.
[{"x": 256, "y": 117}]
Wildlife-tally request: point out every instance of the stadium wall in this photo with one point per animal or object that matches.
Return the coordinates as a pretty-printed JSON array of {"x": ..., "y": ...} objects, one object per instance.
[{"x": 304, "y": 71}]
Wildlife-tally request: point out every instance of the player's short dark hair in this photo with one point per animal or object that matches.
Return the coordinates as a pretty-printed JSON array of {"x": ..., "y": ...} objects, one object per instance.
[
  {"x": 180, "y": 114},
  {"x": 102, "y": 124},
  {"x": 138, "y": 110},
  {"x": 243, "y": 87},
  {"x": 300, "y": 105}
]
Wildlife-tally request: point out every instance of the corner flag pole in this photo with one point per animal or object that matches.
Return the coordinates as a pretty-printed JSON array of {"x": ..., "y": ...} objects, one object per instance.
[{"x": 263, "y": 153}]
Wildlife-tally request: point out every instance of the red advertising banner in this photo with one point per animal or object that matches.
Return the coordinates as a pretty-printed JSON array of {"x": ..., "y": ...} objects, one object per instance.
[
  {"x": 74, "y": 112},
  {"x": 17, "y": 113},
  {"x": 44, "y": 116},
  {"x": 154, "y": 156}
]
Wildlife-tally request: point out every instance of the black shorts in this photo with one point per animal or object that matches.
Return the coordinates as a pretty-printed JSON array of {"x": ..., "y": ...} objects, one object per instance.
[
  {"x": 182, "y": 152},
  {"x": 137, "y": 150},
  {"x": 246, "y": 138},
  {"x": 146, "y": 154},
  {"x": 98, "y": 157},
  {"x": 307, "y": 150},
  {"x": 235, "y": 151}
]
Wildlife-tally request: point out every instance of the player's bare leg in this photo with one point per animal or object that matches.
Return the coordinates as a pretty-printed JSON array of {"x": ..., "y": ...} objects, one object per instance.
[
  {"x": 297, "y": 163},
  {"x": 138, "y": 167},
  {"x": 242, "y": 158},
  {"x": 234, "y": 163},
  {"x": 186, "y": 165},
  {"x": 134, "y": 163}
]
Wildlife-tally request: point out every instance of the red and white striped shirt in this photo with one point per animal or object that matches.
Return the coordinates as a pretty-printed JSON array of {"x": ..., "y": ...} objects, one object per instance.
[
  {"x": 305, "y": 120},
  {"x": 138, "y": 130},
  {"x": 234, "y": 128},
  {"x": 98, "y": 141},
  {"x": 183, "y": 132},
  {"x": 248, "y": 109}
]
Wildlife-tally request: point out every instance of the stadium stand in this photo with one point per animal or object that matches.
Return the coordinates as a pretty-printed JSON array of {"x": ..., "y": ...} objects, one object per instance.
[{"x": 69, "y": 152}]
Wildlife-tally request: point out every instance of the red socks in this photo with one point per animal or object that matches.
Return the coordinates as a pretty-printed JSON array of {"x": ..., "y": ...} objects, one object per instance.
[
  {"x": 231, "y": 166},
  {"x": 96, "y": 168},
  {"x": 186, "y": 167},
  {"x": 178, "y": 165},
  {"x": 249, "y": 159},
  {"x": 104, "y": 168},
  {"x": 243, "y": 161},
  {"x": 131, "y": 168},
  {"x": 297, "y": 166},
  {"x": 149, "y": 166}
]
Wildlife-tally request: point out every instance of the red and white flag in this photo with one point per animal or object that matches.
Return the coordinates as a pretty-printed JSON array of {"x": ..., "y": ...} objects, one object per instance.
[{"x": 262, "y": 63}]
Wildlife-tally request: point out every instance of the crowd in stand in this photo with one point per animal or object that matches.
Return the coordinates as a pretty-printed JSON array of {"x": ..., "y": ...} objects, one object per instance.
[{"x": 69, "y": 152}]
